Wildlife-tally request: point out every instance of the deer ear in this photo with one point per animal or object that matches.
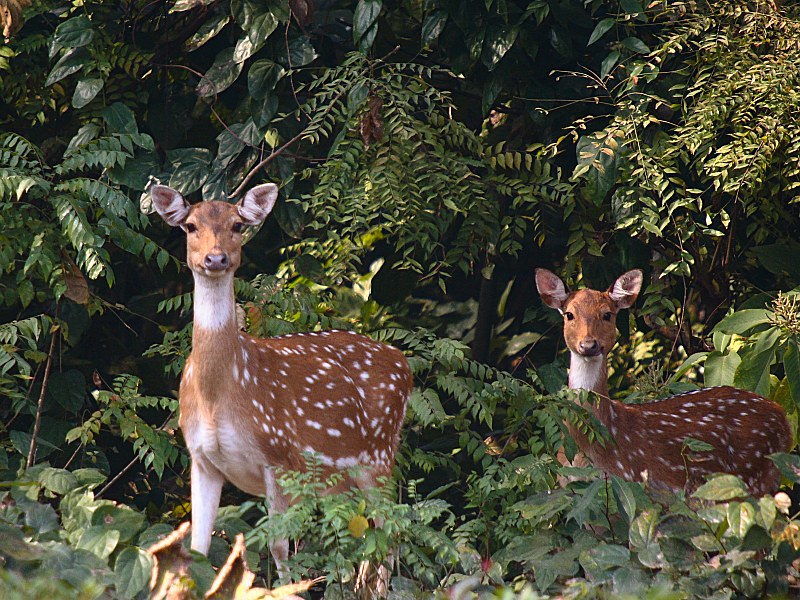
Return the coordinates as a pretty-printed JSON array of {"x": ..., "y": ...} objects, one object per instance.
[
  {"x": 170, "y": 205},
  {"x": 625, "y": 289},
  {"x": 257, "y": 203},
  {"x": 551, "y": 289}
]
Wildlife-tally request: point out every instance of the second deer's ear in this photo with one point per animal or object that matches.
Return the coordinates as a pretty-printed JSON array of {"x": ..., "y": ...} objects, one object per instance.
[
  {"x": 551, "y": 289},
  {"x": 257, "y": 203},
  {"x": 625, "y": 289},
  {"x": 170, "y": 205}
]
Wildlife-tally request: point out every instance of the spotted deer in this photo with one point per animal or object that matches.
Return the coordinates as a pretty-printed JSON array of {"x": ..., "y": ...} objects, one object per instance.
[
  {"x": 647, "y": 440},
  {"x": 250, "y": 406}
]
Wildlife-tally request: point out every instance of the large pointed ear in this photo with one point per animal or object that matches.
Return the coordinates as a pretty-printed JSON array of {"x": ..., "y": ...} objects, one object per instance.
[
  {"x": 551, "y": 289},
  {"x": 257, "y": 203},
  {"x": 625, "y": 289},
  {"x": 170, "y": 205}
]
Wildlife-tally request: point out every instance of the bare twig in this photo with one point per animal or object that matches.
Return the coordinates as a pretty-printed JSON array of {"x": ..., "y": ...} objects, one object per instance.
[{"x": 37, "y": 423}]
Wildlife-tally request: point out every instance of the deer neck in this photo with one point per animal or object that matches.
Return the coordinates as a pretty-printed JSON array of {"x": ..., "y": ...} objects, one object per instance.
[
  {"x": 215, "y": 337},
  {"x": 588, "y": 373},
  {"x": 591, "y": 373}
]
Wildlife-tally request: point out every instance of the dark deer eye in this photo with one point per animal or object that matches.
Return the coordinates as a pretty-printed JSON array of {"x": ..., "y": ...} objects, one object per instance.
[
  {"x": 191, "y": 227},
  {"x": 607, "y": 316},
  {"x": 238, "y": 227},
  {"x": 569, "y": 316}
]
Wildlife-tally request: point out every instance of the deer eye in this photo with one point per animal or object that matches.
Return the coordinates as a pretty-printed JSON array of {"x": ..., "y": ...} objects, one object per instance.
[
  {"x": 191, "y": 227},
  {"x": 238, "y": 227},
  {"x": 607, "y": 316},
  {"x": 569, "y": 316}
]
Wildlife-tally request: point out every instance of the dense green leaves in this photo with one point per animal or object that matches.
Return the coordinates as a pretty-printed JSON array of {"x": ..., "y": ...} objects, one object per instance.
[{"x": 429, "y": 156}]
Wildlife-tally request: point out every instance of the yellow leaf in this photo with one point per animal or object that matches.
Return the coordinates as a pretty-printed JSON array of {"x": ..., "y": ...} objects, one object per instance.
[{"x": 358, "y": 525}]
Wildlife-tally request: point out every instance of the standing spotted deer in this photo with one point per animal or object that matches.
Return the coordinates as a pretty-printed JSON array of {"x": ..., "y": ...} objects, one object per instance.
[
  {"x": 249, "y": 406},
  {"x": 743, "y": 428}
]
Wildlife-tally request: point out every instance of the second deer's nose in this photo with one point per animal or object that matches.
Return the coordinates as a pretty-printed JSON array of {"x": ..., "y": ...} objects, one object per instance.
[
  {"x": 216, "y": 262},
  {"x": 589, "y": 347}
]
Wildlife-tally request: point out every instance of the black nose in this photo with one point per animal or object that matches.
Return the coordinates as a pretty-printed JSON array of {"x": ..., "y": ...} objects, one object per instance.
[
  {"x": 589, "y": 347},
  {"x": 216, "y": 262}
]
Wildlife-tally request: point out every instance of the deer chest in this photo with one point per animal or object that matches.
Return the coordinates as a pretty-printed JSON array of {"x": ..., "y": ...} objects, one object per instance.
[{"x": 227, "y": 449}]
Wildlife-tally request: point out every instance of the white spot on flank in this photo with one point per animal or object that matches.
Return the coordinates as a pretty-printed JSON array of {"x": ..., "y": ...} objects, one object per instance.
[{"x": 313, "y": 424}]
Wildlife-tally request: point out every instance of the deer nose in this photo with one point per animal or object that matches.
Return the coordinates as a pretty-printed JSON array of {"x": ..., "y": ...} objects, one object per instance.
[
  {"x": 216, "y": 262},
  {"x": 589, "y": 347}
]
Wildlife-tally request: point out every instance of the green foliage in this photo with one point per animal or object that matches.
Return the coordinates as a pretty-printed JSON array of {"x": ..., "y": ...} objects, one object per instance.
[
  {"x": 430, "y": 156},
  {"x": 84, "y": 548}
]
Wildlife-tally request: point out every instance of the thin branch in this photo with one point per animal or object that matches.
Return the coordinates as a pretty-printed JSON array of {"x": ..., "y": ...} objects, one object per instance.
[
  {"x": 37, "y": 423},
  {"x": 292, "y": 141},
  {"x": 134, "y": 460}
]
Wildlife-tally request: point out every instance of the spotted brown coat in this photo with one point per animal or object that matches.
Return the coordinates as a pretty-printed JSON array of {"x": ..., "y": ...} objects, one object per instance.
[
  {"x": 251, "y": 406},
  {"x": 648, "y": 439}
]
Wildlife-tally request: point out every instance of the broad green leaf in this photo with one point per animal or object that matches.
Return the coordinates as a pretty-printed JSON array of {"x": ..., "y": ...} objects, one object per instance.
[
  {"x": 58, "y": 481},
  {"x": 600, "y": 29},
  {"x": 432, "y": 26},
  {"x": 604, "y": 557},
  {"x": 609, "y": 62},
  {"x": 365, "y": 23},
  {"x": 257, "y": 20},
  {"x": 721, "y": 488},
  {"x": 642, "y": 530},
  {"x": 126, "y": 521},
  {"x": 720, "y": 369},
  {"x": 631, "y": 6},
  {"x": 788, "y": 465},
  {"x": 582, "y": 504},
  {"x": 41, "y": 517},
  {"x": 192, "y": 166},
  {"x": 651, "y": 556},
  {"x": 597, "y": 155},
  {"x": 85, "y": 91},
  {"x": 767, "y": 511},
  {"x": 498, "y": 41},
  {"x": 624, "y": 496},
  {"x": 99, "y": 540},
  {"x": 207, "y": 31},
  {"x": 221, "y": 75},
  {"x": 791, "y": 364},
  {"x": 70, "y": 63},
  {"x": 182, "y": 5},
  {"x": 742, "y": 321},
  {"x": 687, "y": 364},
  {"x": 299, "y": 53},
  {"x": 262, "y": 111},
  {"x": 132, "y": 571},
  {"x": 120, "y": 118},
  {"x": 741, "y": 516},
  {"x": 72, "y": 33},
  {"x": 636, "y": 45},
  {"x": 262, "y": 78},
  {"x": 753, "y": 372}
]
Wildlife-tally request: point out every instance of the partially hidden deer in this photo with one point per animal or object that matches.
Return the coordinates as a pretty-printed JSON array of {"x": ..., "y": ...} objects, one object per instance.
[
  {"x": 647, "y": 440},
  {"x": 251, "y": 407}
]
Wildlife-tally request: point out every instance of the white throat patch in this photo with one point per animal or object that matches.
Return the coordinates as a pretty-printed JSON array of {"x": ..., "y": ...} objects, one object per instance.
[
  {"x": 214, "y": 306},
  {"x": 585, "y": 372}
]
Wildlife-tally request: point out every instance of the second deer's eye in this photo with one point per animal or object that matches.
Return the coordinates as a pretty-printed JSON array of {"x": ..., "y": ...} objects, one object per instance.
[
  {"x": 238, "y": 227},
  {"x": 569, "y": 316},
  {"x": 607, "y": 316},
  {"x": 191, "y": 227}
]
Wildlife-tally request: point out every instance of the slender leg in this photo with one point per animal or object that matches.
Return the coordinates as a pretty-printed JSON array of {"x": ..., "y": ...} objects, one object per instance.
[
  {"x": 206, "y": 489},
  {"x": 371, "y": 581},
  {"x": 277, "y": 504}
]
